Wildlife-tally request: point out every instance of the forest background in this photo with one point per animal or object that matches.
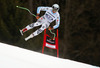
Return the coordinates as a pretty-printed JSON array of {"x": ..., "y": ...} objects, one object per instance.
[{"x": 79, "y": 31}]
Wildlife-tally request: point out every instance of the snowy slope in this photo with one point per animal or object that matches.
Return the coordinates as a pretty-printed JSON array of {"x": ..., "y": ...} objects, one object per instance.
[{"x": 15, "y": 57}]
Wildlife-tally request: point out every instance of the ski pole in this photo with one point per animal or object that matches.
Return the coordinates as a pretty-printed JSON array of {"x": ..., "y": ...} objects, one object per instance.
[
  {"x": 53, "y": 34},
  {"x": 27, "y": 10}
]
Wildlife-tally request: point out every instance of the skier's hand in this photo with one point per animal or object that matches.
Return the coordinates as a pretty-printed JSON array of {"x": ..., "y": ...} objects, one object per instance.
[
  {"x": 50, "y": 28},
  {"x": 37, "y": 17}
]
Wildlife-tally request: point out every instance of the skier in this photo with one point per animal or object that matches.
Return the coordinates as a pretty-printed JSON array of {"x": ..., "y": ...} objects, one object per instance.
[{"x": 50, "y": 15}]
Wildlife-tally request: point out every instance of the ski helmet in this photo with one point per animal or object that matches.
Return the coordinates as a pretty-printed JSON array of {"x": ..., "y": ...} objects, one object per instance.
[{"x": 55, "y": 7}]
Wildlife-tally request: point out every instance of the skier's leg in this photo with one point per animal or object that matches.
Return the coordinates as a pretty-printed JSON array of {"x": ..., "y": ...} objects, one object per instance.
[
  {"x": 44, "y": 26},
  {"x": 33, "y": 25},
  {"x": 28, "y": 27}
]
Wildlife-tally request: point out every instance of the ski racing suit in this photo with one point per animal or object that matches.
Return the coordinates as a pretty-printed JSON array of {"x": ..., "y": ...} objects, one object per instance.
[{"x": 45, "y": 20}]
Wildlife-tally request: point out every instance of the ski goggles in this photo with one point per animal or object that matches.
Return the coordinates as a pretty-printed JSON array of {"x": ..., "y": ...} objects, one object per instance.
[{"x": 55, "y": 9}]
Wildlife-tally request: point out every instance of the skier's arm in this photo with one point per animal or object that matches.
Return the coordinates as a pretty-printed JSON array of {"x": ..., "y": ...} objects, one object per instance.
[
  {"x": 42, "y": 9},
  {"x": 57, "y": 23}
]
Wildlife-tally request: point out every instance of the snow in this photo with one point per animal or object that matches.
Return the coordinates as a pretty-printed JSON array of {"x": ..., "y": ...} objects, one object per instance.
[{"x": 15, "y": 57}]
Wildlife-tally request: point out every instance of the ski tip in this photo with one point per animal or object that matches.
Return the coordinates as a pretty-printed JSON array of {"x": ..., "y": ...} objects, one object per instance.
[
  {"x": 16, "y": 6},
  {"x": 21, "y": 32}
]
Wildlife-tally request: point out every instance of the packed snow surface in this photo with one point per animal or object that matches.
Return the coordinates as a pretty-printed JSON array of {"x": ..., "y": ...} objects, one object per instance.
[{"x": 15, "y": 57}]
